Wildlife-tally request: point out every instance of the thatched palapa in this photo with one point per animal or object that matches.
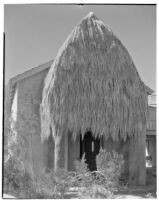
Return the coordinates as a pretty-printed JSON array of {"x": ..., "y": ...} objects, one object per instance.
[{"x": 93, "y": 84}]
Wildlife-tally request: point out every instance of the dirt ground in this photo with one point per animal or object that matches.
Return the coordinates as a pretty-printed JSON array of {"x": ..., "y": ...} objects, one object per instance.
[
  {"x": 139, "y": 192},
  {"x": 136, "y": 192},
  {"x": 132, "y": 192}
]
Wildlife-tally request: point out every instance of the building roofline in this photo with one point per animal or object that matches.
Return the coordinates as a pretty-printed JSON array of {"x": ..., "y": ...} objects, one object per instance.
[
  {"x": 44, "y": 66},
  {"x": 148, "y": 90},
  {"x": 31, "y": 72},
  {"x": 153, "y": 107}
]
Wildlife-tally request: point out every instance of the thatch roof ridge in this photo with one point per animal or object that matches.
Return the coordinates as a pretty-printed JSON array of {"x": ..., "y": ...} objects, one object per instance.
[
  {"x": 75, "y": 32},
  {"x": 93, "y": 84}
]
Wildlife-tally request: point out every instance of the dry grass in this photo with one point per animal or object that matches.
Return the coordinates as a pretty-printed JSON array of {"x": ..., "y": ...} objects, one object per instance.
[{"x": 93, "y": 84}]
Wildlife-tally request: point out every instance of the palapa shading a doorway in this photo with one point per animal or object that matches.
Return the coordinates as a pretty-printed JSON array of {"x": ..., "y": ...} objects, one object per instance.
[{"x": 93, "y": 83}]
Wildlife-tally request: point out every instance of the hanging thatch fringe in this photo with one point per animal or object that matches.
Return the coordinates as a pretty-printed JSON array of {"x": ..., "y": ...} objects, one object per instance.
[{"x": 93, "y": 84}]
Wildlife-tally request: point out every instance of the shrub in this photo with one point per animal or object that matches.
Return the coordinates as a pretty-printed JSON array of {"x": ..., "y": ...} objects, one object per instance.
[
  {"x": 110, "y": 165},
  {"x": 57, "y": 184},
  {"x": 16, "y": 180},
  {"x": 83, "y": 177},
  {"x": 18, "y": 153},
  {"x": 53, "y": 184},
  {"x": 104, "y": 182}
]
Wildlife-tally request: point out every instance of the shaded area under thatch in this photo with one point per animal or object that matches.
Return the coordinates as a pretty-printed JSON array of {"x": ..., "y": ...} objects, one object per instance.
[{"x": 93, "y": 84}]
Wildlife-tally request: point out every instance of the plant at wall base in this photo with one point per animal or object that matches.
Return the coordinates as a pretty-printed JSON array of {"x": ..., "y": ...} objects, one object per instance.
[
  {"x": 57, "y": 184},
  {"x": 54, "y": 184},
  {"x": 16, "y": 181},
  {"x": 83, "y": 176},
  {"x": 104, "y": 182},
  {"x": 109, "y": 164},
  {"x": 19, "y": 178}
]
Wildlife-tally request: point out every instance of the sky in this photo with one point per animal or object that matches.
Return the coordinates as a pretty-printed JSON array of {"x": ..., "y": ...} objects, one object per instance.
[{"x": 34, "y": 34}]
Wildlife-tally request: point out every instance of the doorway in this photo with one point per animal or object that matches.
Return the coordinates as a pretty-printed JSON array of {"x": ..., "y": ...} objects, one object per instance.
[{"x": 91, "y": 147}]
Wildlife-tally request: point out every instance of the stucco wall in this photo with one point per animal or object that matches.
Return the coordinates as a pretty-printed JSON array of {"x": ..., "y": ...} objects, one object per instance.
[
  {"x": 120, "y": 147},
  {"x": 48, "y": 153},
  {"x": 29, "y": 99},
  {"x": 40, "y": 156},
  {"x": 73, "y": 152}
]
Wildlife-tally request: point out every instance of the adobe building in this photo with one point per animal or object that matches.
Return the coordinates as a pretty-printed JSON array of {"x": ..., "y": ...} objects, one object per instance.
[{"x": 89, "y": 97}]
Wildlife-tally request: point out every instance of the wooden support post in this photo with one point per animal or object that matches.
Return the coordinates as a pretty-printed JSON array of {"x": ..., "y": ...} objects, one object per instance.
[{"x": 66, "y": 151}]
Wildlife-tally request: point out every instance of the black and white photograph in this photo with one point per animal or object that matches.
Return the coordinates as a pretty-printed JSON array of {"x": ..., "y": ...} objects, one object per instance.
[{"x": 79, "y": 101}]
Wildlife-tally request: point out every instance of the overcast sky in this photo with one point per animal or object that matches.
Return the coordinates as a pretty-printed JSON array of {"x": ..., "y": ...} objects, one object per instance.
[{"x": 34, "y": 34}]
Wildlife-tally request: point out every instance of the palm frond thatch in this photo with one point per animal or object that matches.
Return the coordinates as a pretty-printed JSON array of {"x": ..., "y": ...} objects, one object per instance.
[{"x": 93, "y": 84}]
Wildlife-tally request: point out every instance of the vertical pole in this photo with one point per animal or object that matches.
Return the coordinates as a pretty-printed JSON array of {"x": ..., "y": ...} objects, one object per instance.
[
  {"x": 4, "y": 138},
  {"x": 102, "y": 142},
  {"x": 57, "y": 153},
  {"x": 66, "y": 151}
]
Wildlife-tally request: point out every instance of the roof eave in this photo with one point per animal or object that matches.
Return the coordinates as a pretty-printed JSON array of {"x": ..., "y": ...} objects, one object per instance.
[{"x": 148, "y": 90}]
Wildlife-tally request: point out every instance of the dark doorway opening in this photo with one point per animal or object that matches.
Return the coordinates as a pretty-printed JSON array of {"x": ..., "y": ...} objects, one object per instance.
[{"x": 91, "y": 147}]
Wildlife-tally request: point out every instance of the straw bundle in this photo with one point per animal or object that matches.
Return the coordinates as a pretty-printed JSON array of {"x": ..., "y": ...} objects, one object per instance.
[{"x": 93, "y": 85}]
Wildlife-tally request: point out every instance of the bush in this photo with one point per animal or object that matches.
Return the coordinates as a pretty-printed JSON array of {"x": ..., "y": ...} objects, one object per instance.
[
  {"x": 83, "y": 177},
  {"x": 110, "y": 165},
  {"x": 16, "y": 180},
  {"x": 53, "y": 184},
  {"x": 18, "y": 152},
  {"x": 104, "y": 182}
]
